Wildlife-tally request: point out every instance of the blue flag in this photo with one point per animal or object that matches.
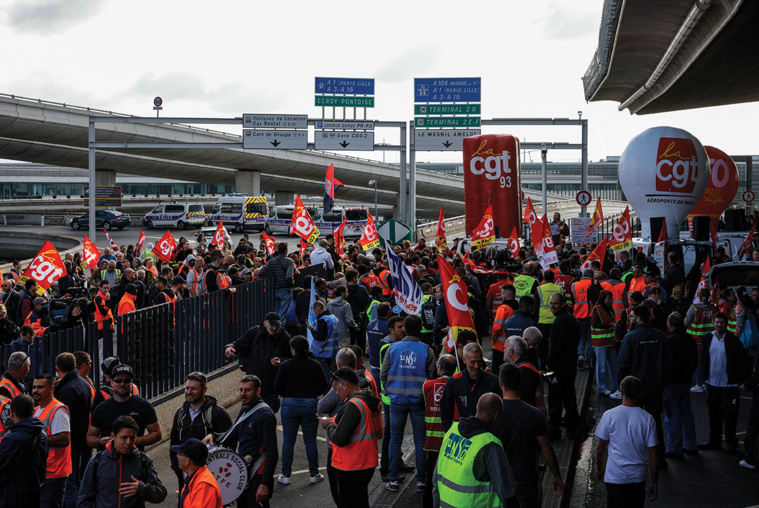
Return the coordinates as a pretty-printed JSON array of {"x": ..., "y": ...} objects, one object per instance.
[
  {"x": 311, "y": 315},
  {"x": 408, "y": 294}
]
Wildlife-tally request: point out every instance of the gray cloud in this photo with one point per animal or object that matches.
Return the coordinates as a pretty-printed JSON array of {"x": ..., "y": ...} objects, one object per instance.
[
  {"x": 177, "y": 85},
  {"x": 414, "y": 62},
  {"x": 567, "y": 22},
  {"x": 50, "y": 16}
]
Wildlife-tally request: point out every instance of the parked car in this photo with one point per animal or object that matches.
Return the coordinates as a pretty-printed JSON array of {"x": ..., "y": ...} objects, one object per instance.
[{"x": 105, "y": 219}]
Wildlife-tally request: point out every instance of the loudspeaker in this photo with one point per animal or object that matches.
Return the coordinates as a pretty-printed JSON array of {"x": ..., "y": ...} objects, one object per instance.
[
  {"x": 656, "y": 224},
  {"x": 701, "y": 230},
  {"x": 735, "y": 220}
]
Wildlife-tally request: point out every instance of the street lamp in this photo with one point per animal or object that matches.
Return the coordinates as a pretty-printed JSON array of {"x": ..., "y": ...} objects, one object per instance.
[{"x": 374, "y": 182}]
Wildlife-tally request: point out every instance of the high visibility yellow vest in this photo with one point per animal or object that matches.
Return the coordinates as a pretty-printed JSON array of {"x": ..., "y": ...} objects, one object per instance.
[
  {"x": 523, "y": 285},
  {"x": 545, "y": 292}
]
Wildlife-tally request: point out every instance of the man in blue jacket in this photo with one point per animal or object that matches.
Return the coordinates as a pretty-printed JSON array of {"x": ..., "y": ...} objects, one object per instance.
[{"x": 23, "y": 456}]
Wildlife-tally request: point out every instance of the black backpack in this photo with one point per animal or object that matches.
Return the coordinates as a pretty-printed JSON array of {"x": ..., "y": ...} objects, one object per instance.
[
  {"x": 428, "y": 314},
  {"x": 594, "y": 291}
]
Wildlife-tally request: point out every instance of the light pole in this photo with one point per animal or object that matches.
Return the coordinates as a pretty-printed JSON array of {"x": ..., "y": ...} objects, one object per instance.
[
  {"x": 543, "y": 154},
  {"x": 374, "y": 182}
]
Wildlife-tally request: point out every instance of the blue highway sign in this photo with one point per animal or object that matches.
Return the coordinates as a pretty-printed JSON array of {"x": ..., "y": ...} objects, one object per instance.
[
  {"x": 447, "y": 89},
  {"x": 345, "y": 86}
]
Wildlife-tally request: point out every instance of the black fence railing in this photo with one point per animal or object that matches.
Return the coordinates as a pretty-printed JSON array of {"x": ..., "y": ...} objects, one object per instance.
[
  {"x": 318, "y": 271},
  {"x": 162, "y": 343}
]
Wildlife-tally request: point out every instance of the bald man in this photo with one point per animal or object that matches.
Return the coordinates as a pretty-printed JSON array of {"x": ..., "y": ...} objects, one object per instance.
[{"x": 470, "y": 457}]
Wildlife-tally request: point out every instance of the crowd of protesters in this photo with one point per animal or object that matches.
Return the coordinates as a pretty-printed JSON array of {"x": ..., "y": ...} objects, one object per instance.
[{"x": 346, "y": 359}]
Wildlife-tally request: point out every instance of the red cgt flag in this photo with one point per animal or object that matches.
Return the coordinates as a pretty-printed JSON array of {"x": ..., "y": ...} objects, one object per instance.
[
  {"x": 456, "y": 301},
  {"x": 45, "y": 268},
  {"x": 339, "y": 233},
  {"x": 484, "y": 234},
  {"x": 218, "y": 236},
  {"x": 141, "y": 241},
  {"x": 369, "y": 238},
  {"x": 746, "y": 247},
  {"x": 441, "y": 239},
  {"x": 514, "y": 243},
  {"x": 663, "y": 234},
  {"x": 529, "y": 213},
  {"x": 269, "y": 241},
  {"x": 164, "y": 249},
  {"x": 597, "y": 219},
  {"x": 302, "y": 224},
  {"x": 599, "y": 253},
  {"x": 91, "y": 253},
  {"x": 114, "y": 247}
]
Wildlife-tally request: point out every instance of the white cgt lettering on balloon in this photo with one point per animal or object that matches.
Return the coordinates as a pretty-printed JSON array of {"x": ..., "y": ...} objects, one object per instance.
[
  {"x": 720, "y": 172},
  {"x": 452, "y": 297}
]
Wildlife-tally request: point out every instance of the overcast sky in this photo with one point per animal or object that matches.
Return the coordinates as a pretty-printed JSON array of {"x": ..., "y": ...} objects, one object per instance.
[{"x": 226, "y": 58}]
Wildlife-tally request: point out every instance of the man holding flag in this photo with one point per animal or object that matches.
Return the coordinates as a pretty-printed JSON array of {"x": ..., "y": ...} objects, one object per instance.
[{"x": 331, "y": 184}]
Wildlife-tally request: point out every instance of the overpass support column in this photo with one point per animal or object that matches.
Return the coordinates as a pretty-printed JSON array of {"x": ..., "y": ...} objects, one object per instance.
[
  {"x": 284, "y": 198},
  {"x": 105, "y": 178},
  {"x": 248, "y": 182}
]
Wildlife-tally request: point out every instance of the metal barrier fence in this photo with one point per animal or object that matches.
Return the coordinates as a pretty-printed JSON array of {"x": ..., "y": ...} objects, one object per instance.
[
  {"x": 162, "y": 343},
  {"x": 318, "y": 271}
]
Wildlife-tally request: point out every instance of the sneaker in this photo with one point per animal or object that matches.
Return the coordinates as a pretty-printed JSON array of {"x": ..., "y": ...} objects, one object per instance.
[
  {"x": 420, "y": 486},
  {"x": 616, "y": 395},
  {"x": 747, "y": 465},
  {"x": 698, "y": 389},
  {"x": 316, "y": 478},
  {"x": 284, "y": 480},
  {"x": 606, "y": 392},
  {"x": 393, "y": 486},
  {"x": 581, "y": 362}
]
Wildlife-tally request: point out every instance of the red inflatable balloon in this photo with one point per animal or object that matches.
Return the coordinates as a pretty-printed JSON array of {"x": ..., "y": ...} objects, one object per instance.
[{"x": 723, "y": 184}]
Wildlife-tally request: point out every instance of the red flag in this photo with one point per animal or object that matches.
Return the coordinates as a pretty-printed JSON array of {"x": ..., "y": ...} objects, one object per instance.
[
  {"x": 331, "y": 184},
  {"x": 114, "y": 247},
  {"x": 747, "y": 246},
  {"x": 369, "y": 238},
  {"x": 91, "y": 253},
  {"x": 484, "y": 234},
  {"x": 713, "y": 226},
  {"x": 164, "y": 249},
  {"x": 536, "y": 236},
  {"x": 456, "y": 301},
  {"x": 514, "y": 243},
  {"x": 441, "y": 239},
  {"x": 549, "y": 251},
  {"x": 303, "y": 246},
  {"x": 597, "y": 219},
  {"x": 302, "y": 224},
  {"x": 141, "y": 241},
  {"x": 529, "y": 213},
  {"x": 663, "y": 234},
  {"x": 702, "y": 280},
  {"x": 338, "y": 233},
  {"x": 45, "y": 268},
  {"x": 599, "y": 253},
  {"x": 621, "y": 237},
  {"x": 218, "y": 236},
  {"x": 269, "y": 241}
]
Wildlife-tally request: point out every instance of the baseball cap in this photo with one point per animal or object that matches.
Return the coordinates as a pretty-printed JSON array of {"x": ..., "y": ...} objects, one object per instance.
[
  {"x": 131, "y": 289},
  {"x": 122, "y": 369},
  {"x": 109, "y": 364},
  {"x": 193, "y": 449},
  {"x": 273, "y": 319},
  {"x": 177, "y": 280}
]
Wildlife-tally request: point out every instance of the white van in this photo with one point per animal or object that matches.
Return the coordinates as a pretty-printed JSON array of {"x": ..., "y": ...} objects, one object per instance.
[
  {"x": 240, "y": 212},
  {"x": 281, "y": 216},
  {"x": 175, "y": 215}
]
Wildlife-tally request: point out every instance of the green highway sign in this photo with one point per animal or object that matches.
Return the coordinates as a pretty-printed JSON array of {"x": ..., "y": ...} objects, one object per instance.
[
  {"x": 446, "y": 109},
  {"x": 346, "y": 102},
  {"x": 447, "y": 121}
]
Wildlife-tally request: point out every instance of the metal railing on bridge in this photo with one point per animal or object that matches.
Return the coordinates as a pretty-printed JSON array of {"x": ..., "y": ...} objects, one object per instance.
[{"x": 165, "y": 342}]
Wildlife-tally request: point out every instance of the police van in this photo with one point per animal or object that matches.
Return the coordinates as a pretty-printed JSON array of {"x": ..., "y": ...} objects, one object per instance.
[
  {"x": 241, "y": 213},
  {"x": 280, "y": 217},
  {"x": 175, "y": 215}
]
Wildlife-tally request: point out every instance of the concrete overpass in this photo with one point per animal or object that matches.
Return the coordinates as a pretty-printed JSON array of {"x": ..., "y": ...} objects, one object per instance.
[{"x": 656, "y": 56}]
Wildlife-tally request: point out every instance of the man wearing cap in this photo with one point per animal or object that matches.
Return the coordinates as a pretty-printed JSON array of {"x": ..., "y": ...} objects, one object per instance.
[
  {"x": 200, "y": 488},
  {"x": 260, "y": 351},
  {"x": 127, "y": 302},
  {"x": 123, "y": 403},
  {"x": 106, "y": 392}
]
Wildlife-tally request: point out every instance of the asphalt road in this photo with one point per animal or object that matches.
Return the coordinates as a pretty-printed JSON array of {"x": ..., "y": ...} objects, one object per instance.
[{"x": 710, "y": 479}]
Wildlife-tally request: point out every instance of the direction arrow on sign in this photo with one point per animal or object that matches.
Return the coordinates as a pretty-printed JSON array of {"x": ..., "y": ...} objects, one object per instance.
[
  {"x": 331, "y": 140},
  {"x": 749, "y": 196},
  {"x": 442, "y": 140},
  {"x": 583, "y": 198},
  {"x": 395, "y": 231},
  {"x": 280, "y": 140}
]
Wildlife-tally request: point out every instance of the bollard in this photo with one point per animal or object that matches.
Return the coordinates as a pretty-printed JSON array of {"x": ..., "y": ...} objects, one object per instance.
[{"x": 42, "y": 220}]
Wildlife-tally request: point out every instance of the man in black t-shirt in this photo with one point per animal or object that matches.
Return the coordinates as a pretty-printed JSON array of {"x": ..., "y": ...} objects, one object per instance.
[
  {"x": 123, "y": 403},
  {"x": 520, "y": 427}
]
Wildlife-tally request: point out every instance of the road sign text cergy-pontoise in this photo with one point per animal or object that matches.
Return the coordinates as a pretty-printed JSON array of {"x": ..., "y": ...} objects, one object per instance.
[
  {"x": 280, "y": 140},
  {"x": 350, "y": 125},
  {"x": 447, "y": 89},
  {"x": 252, "y": 121},
  {"x": 447, "y": 109},
  {"x": 338, "y": 140},
  {"x": 345, "y": 102},
  {"x": 447, "y": 121},
  {"x": 441, "y": 140},
  {"x": 345, "y": 86}
]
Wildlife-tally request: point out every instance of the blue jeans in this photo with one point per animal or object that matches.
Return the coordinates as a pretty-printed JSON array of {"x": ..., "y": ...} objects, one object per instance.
[
  {"x": 398, "y": 414},
  {"x": 74, "y": 479},
  {"x": 282, "y": 300},
  {"x": 678, "y": 418},
  {"x": 299, "y": 412},
  {"x": 584, "y": 348},
  {"x": 52, "y": 492},
  {"x": 606, "y": 369}
]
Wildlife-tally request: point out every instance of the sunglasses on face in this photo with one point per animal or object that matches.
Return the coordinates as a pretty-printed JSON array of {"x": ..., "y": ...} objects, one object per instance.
[{"x": 121, "y": 380}]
